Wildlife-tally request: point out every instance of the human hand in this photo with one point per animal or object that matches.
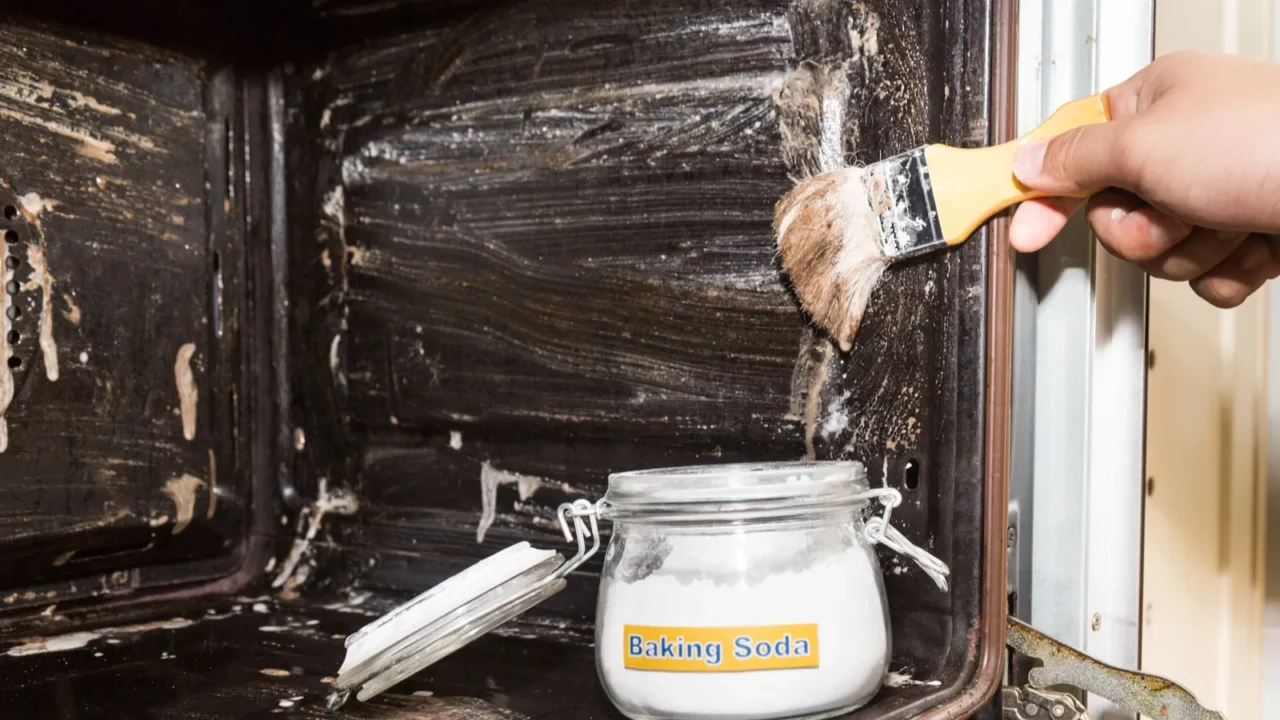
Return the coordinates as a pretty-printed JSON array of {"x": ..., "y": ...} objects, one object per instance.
[{"x": 1191, "y": 167}]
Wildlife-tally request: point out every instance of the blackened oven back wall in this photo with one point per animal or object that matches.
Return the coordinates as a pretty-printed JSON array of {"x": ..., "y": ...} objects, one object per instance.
[{"x": 530, "y": 244}]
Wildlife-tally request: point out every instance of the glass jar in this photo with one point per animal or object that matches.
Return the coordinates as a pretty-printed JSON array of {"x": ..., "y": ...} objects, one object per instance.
[
  {"x": 733, "y": 592},
  {"x": 740, "y": 592}
]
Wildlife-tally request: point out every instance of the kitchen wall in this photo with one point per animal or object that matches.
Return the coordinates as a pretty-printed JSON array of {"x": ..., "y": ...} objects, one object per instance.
[
  {"x": 1271, "y": 630},
  {"x": 1205, "y": 529}
]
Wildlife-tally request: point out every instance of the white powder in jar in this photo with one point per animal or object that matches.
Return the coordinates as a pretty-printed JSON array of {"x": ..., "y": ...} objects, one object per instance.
[{"x": 677, "y": 585}]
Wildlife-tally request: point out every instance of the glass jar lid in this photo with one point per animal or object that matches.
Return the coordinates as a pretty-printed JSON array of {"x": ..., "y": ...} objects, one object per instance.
[{"x": 775, "y": 489}]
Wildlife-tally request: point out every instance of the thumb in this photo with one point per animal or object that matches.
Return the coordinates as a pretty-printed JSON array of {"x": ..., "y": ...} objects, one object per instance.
[{"x": 1079, "y": 160}]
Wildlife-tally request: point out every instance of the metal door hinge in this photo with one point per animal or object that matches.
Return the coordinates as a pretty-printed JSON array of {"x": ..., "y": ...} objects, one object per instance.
[
  {"x": 1145, "y": 695},
  {"x": 1027, "y": 703}
]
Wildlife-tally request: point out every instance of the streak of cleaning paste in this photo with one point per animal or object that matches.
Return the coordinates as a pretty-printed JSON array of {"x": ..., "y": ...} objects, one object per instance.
[
  {"x": 834, "y": 101},
  {"x": 188, "y": 394},
  {"x": 91, "y": 147},
  {"x": 33, "y": 204},
  {"x": 491, "y": 478},
  {"x": 334, "y": 206},
  {"x": 30, "y": 89},
  {"x": 182, "y": 491},
  {"x": 831, "y": 143},
  {"x": 864, "y": 41},
  {"x": 800, "y": 372},
  {"x": 334, "y": 356},
  {"x": 337, "y": 501},
  {"x": 904, "y": 679},
  {"x": 76, "y": 640},
  {"x": 352, "y": 604},
  {"x": 837, "y": 420},
  {"x": 60, "y": 643},
  {"x": 455, "y": 440},
  {"x": 42, "y": 279},
  {"x": 816, "y": 383},
  {"x": 34, "y": 100},
  {"x": 72, "y": 313}
]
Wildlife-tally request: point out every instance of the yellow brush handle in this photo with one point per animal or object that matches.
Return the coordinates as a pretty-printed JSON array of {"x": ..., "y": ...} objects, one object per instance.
[{"x": 969, "y": 186}]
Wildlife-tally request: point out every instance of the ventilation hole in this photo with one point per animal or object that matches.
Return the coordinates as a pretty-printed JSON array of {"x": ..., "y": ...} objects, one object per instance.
[
  {"x": 14, "y": 337},
  {"x": 11, "y": 237},
  {"x": 11, "y": 287},
  {"x": 911, "y": 474},
  {"x": 14, "y": 312},
  {"x": 12, "y": 262},
  {"x": 15, "y": 363},
  {"x": 10, "y": 212},
  {"x": 217, "y": 262}
]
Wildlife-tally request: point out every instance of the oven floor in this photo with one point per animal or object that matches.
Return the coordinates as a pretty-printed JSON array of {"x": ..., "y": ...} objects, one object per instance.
[{"x": 257, "y": 658}]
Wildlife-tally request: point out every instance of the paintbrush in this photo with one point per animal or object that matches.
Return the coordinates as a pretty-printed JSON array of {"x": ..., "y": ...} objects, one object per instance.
[{"x": 839, "y": 230}]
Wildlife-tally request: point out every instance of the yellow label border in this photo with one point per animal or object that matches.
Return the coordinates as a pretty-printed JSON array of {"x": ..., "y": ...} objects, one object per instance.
[{"x": 720, "y": 649}]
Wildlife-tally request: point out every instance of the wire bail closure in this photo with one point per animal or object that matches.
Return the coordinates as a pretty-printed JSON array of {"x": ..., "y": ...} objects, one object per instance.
[
  {"x": 878, "y": 531},
  {"x": 571, "y": 514},
  {"x": 881, "y": 532}
]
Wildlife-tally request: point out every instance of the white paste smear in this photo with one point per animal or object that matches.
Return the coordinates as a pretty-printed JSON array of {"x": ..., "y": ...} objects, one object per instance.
[{"x": 188, "y": 394}]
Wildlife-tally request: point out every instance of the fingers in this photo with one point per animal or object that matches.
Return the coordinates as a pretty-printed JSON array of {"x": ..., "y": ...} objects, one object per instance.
[
  {"x": 1098, "y": 155},
  {"x": 1223, "y": 267},
  {"x": 1245, "y": 270},
  {"x": 1203, "y": 250},
  {"x": 1037, "y": 222},
  {"x": 1123, "y": 100},
  {"x": 1133, "y": 230},
  {"x": 1079, "y": 160}
]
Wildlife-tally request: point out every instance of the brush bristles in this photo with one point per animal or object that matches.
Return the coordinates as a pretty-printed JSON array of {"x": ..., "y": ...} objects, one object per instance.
[{"x": 829, "y": 241}]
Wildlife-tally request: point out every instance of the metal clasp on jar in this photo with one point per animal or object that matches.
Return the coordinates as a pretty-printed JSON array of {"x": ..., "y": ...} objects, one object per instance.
[
  {"x": 572, "y": 524},
  {"x": 879, "y": 531}
]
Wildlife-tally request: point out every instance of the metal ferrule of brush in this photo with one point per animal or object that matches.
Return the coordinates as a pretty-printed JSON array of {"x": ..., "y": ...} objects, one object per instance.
[{"x": 901, "y": 195}]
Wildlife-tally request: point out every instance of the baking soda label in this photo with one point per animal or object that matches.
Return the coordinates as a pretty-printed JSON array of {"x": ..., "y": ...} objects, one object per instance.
[{"x": 719, "y": 649}]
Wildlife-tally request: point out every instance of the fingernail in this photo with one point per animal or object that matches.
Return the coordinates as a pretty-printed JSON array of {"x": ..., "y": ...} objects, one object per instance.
[
  {"x": 1029, "y": 161},
  {"x": 1254, "y": 257},
  {"x": 1118, "y": 214}
]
